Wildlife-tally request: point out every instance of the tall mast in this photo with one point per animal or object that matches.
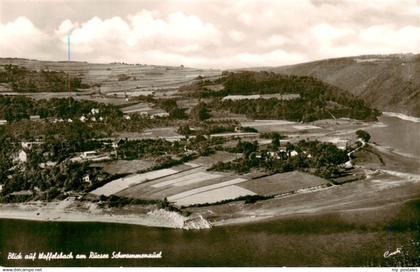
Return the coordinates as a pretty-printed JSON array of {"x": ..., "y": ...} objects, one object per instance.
[{"x": 68, "y": 65}]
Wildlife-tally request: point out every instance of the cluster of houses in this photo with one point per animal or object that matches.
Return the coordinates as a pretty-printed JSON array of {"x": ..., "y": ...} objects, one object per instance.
[{"x": 93, "y": 116}]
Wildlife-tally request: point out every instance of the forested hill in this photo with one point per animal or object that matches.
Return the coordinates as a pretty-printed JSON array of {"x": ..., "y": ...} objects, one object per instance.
[
  {"x": 295, "y": 98},
  {"x": 21, "y": 79},
  {"x": 389, "y": 82}
]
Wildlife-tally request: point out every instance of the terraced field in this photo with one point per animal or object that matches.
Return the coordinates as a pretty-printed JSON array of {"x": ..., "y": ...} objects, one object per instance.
[
  {"x": 184, "y": 185},
  {"x": 176, "y": 183},
  {"x": 123, "y": 183},
  {"x": 121, "y": 79}
]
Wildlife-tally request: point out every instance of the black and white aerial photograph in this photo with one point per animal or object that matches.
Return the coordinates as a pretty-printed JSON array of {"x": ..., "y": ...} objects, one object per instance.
[{"x": 203, "y": 134}]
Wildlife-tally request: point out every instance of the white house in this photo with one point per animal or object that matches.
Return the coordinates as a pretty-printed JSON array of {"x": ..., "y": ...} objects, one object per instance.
[
  {"x": 293, "y": 153},
  {"x": 26, "y": 145},
  {"x": 29, "y": 145},
  {"x": 94, "y": 111},
  {"x": 86, "y": 179},
  {"x": 115, "y": 144},
  {"x": 47, "y": 164},
  {"x": 34, "y": 117},
  {"x": 88, "y": 154},
  {"x": 22, "y": 156},
  {"x": 347, "y": 165},
  {"x": 159, "y": 114}
]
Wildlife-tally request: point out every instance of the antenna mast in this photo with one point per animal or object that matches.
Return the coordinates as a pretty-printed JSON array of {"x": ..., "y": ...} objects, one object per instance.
[{"x": 68, "y": 62}]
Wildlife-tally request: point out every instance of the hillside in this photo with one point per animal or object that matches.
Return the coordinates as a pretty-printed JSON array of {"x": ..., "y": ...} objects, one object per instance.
[
  {"x": 116, "y": 77},
  {"x": 388, "y": 82},
  {"x": 267, "y": 95}
]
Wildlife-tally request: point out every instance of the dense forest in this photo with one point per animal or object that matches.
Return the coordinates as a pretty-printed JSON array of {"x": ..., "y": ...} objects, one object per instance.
[{"x": 318, "y": 100}]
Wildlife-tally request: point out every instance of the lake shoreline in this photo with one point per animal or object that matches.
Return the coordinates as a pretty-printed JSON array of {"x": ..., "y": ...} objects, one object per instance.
[{"x": 62, "y": 211}]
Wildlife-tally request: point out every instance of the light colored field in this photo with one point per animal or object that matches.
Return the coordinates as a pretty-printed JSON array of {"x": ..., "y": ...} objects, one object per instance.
[
  {"x": 167, "y": 133},
  {"x": 205, "y": 188},
  {"x": 283, "y": 183},
  {"x": 275, "y": 126},
  {"x": 303, "y": 127},
  {"x": 123, "y": 183},
  {"x": 257, "y": 123},
  {"x": 188, "y": 179},
  {"x": 213, "y": 196},
  {"x": 235, "y": 134},
  {"x": 262, "y": 96},
  {"x": 340, "y": 142}
]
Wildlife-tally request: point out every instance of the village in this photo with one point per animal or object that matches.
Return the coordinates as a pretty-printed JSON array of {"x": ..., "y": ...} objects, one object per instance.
[{"x": 171, "y": 153}]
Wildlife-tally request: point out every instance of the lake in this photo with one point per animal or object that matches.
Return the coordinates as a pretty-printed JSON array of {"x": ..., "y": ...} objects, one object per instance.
[
  {"x": 402, "y": 135},
  {"x": 319, "y": 241}
]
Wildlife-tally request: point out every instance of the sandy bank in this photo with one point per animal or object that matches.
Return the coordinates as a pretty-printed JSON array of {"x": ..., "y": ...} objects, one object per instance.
[{"x": 65, "y": 211}]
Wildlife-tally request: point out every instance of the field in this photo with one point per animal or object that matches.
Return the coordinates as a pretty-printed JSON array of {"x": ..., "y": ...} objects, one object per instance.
[
  {"x": 174, "y": 184},
  {"x": 213, "y": 196},
  {"x": 123, "y": 183},
  {"x": 218, "y": 156},
  {"x": 279, "y": 125},
  {"x": 262, "y": 96},
  {"x": 124, "y": 166},
  {"x": 188, "y": 179},
  {"x": 283, "y": 183},
  {"x": 167, "y": 133},
  {"x": 193, "y": 185},
  {"x": 120, "y": 79}
]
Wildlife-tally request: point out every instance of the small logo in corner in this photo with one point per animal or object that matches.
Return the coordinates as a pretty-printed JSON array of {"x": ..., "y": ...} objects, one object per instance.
[{"x": 388, "y": 254}]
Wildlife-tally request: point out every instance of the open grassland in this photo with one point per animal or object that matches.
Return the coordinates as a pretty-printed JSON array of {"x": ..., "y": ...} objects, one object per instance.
[
  {"x": 283, "y": 183},
  {"x": 124, "y": 166},
  {"x": 214, "y": 158}
]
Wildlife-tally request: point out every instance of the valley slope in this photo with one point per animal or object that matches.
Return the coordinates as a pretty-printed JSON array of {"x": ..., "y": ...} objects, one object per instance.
[{"x": 388, "y": 82}]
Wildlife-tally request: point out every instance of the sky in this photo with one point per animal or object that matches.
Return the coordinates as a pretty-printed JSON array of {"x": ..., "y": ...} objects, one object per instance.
[{"x": 207, "y": 33}]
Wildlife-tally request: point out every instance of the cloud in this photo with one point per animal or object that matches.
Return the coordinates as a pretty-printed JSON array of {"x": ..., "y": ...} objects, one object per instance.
[
  {"x": 216, "y": 33},
  {"x": 20, "y": 38},
  {"x": 274, "y": 40}
]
